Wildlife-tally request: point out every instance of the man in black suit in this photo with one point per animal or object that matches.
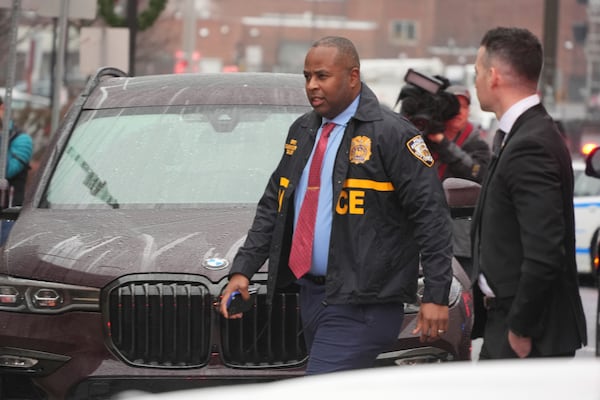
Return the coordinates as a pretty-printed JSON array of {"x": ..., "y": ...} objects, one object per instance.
[{"x": 524, "y": 229}]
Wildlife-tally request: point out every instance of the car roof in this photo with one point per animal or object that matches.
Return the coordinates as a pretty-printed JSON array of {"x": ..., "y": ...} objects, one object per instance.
[{"x": 204, "y": 88}]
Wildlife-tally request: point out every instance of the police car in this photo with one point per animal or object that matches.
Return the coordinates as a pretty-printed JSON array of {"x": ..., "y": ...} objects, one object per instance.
[{"x": 587, "y": 216}]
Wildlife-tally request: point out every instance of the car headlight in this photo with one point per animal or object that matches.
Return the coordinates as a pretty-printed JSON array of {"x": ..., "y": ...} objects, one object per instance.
[{"x": 30, "y": 296}]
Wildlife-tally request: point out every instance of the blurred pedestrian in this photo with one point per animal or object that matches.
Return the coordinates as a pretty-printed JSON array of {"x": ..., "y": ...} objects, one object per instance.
[
  {"x": 18, "y": 156},
  {"x": 523, "y": 229},
  {"x": 351, "y": 209},
  {"x": 459, "y": 150},
  {"x": 441, "y": 115}
]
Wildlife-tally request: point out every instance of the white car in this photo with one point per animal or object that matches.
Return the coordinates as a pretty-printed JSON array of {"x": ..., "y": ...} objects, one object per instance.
[
  {"x": 587, "y": 216},
  {"x": 549, "y": 379}
]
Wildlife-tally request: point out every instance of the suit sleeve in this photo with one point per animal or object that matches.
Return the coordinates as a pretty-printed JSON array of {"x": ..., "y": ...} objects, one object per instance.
[{"x": 536, "y": 190}]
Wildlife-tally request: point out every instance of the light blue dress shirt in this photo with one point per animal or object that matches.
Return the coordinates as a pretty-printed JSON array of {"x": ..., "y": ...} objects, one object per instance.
[{"x": 326, "y": 201}]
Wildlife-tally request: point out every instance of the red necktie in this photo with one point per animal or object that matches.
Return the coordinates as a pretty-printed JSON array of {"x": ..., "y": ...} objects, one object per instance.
[{"x": 302, "y": 243}]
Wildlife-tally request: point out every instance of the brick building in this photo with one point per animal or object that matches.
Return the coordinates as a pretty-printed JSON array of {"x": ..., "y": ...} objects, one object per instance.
[{"x": 273, "y": 35}]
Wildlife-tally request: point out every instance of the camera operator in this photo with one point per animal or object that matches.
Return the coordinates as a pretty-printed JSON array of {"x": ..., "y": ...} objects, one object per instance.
[
  {"x": 442, "y": 118},
  {"x": 441, "y": 112},
  {"x": 461, "y": 151}
]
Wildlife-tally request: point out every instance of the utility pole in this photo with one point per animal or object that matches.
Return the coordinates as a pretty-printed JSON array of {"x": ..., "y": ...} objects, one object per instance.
[
  {"x": 592, "y": 51},
  {"x": 189, "y": 34},
  {"x": 132, "y": 11},
  {"x": 14, "y": 21},
  {"x": 551, "y": 8},
  {"x": 59, "y": 69}
]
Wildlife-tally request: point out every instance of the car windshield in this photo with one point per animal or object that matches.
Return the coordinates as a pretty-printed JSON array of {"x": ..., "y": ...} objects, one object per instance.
[
  {"x": 585, "y": 186},
  {"x": 183, "y": 156}
]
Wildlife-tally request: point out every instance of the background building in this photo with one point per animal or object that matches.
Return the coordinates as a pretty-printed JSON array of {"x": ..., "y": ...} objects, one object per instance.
[{"x": 273, "y": 35}]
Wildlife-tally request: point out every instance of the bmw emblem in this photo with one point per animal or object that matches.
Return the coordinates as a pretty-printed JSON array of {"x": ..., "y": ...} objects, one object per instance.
[{"x": 215, "y": 263}]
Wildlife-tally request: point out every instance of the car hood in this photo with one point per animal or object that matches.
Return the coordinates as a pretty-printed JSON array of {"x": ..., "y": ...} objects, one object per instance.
[{"x": 92, "y": 248}]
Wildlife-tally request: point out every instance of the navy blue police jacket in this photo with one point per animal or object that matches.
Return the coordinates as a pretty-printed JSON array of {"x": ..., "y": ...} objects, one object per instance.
[{"x": 389, "y": 212}]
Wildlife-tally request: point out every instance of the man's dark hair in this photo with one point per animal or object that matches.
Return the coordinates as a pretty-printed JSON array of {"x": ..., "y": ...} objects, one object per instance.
[
  {"x": 345, "y": 47},
  {"x": 516, "y": 47}
]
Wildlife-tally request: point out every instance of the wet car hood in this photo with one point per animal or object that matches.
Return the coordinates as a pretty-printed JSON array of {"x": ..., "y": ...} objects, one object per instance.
[{"x": 93, "y": 247}]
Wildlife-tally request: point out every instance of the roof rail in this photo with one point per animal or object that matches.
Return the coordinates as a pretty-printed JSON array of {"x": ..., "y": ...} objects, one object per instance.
[
  {"x": 102, "y": 72},
  {"x": 75, "y": 109}
]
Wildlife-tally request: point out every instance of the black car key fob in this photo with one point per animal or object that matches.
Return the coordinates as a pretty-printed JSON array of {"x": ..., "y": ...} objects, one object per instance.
[{"x": 236, "y": 304}]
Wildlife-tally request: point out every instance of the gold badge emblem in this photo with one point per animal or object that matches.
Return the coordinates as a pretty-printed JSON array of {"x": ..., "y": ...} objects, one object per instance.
[
  {"x": 291, "y": 147},
  {"x": 360, "y": 149},
  {"x": 419, "y": 149}
]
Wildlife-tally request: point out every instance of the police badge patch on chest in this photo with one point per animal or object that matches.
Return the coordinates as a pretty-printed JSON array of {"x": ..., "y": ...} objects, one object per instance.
[
  {"x": 360, "y": 149},
  {"x": 419, "y": 149}
]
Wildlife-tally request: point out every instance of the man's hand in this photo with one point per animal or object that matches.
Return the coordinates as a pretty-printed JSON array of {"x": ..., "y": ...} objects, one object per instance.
[
  {"x": 237, "y": 282},
  {"x": 435, "y": 137},
  {"x": 521, "y": 345},
  {"x": 432, "y": 321}
]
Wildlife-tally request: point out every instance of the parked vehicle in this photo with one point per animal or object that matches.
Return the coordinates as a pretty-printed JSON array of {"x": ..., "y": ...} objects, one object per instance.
[
  {"x": 587, "y": 216},
  {"x": 592, "y": 168},
  {"x": 112, "y": 273}
]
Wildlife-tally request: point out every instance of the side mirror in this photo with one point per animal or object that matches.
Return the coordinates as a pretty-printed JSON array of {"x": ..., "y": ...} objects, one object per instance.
[{"x": 592, "y": 163}]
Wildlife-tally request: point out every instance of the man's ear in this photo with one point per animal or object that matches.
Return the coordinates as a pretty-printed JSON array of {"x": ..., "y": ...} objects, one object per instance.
[
  {"x": 354, "y": 76},
  {"x": 495, "y": 77}
]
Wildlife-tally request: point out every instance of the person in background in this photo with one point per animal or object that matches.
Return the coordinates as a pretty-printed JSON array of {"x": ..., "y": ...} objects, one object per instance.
[
  {"x": 523, "y": 229},
  {"x": 460, "y": 151},
  {"x": 18, "y": 156},
  {"x": 20, "y": 151},
  {"x": 349, "y": 212},
  {"x": 442, "y": 118}
]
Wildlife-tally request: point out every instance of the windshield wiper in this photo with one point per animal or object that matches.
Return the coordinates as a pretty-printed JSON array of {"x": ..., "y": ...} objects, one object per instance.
[{"x": 92, "y": 181}]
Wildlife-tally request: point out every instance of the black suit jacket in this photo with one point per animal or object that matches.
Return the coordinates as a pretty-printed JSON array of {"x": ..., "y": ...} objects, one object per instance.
[{"x": 524, "y": 231}]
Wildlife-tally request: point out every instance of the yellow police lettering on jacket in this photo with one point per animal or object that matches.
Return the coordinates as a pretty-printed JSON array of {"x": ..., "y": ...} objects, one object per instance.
[
  {"x": 283, "y": 184},
  {"x": 352, "y": 197},
  {"x": 351, "y": 202}
]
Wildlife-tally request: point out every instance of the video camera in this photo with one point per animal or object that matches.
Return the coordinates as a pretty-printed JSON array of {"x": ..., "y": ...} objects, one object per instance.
[{"x": 426, "y": 103}]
